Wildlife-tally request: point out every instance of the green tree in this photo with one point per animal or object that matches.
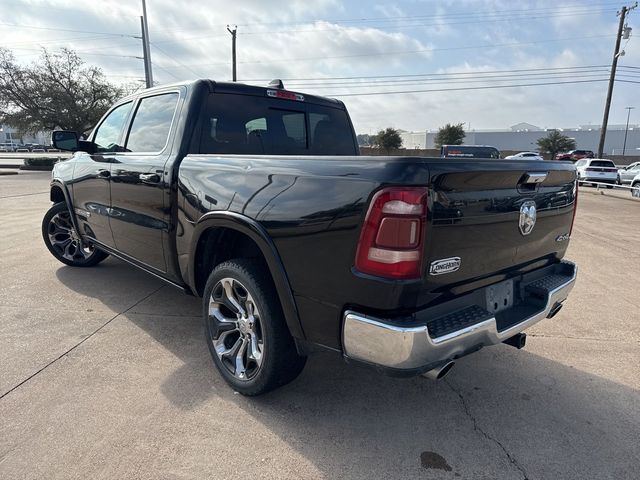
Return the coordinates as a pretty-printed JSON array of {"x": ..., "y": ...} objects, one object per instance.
[
  {"x": 450, "y": 135},
  {"x": 387, "y": 139},
  {"x": 554, "y": 143},
  {"x": 56, "y": 91}
]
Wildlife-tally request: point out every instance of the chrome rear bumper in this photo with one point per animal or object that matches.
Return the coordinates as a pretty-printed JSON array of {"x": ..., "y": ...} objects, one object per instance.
[{"x": 431, "y": 337}]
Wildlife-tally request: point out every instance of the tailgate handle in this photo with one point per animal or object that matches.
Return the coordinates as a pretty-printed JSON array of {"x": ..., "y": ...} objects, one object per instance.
[{"x": 533, "y": 177}]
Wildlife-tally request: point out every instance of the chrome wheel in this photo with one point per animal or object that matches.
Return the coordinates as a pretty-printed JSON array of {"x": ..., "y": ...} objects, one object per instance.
[
  {"x": 65, "y": 240},
  {"x": 636, "y": 190},
  {"x": 235, "y": 329}
]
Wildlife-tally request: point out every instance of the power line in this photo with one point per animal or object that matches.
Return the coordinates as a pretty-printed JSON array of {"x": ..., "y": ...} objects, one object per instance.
[
  {"x": 65, "y": 30},
  {"x": 528, "y": 12},
  {"x": 472, "y": 72},
  {"x": 457, "y": 89},
  {"x": 447, "y": 81},
  {"x": 496, "y": 17},
  {"x": 174, "y": 59},
  {"x": 405, "y": 52}
]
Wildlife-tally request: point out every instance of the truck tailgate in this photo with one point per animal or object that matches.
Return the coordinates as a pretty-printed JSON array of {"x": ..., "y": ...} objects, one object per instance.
[{"x": 475, "y": 213}]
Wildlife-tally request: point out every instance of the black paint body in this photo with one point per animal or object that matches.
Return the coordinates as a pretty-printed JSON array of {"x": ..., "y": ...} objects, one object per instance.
[{"x": 305, "y": 215}]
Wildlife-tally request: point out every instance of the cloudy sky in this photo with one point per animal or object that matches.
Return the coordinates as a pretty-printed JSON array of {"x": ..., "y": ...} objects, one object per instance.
[{"x": 449, "y": 59}]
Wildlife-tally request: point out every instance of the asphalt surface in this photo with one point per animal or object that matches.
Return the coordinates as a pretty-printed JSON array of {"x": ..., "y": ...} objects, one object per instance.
[{"x": 104, "y": 373}]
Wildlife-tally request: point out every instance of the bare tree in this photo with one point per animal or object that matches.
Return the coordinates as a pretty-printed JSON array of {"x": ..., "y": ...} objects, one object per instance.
[{"x": 57, "y": 91}]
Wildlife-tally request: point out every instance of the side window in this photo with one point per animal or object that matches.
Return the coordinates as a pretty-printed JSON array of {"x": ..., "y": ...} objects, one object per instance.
[
  {"x": 152, "y": 123},
  {"x": 580, "y": 163},
  {"x": 108, "y": 133}
]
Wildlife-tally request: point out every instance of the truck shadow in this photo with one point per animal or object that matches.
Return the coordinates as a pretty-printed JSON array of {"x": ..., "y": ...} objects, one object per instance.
[{"x": 500, "y": 410}]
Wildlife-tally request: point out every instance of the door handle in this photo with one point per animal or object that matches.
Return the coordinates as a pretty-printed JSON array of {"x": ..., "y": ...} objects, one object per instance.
[
  {"x": 533, "y": 177},
  {"x": 150, "y": 178}
]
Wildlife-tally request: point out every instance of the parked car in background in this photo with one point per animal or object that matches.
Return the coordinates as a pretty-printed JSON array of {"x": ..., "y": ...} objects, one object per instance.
[
  {"x": 628, "y": 173},
  {"x": 635, "y": 183},
  {"x": 574, "y": 155},
  {"x": 597, "y": 170},
  {"x": 469, "y": 151},
  {"x": 525, "y": 156},
  {"x": 8, "y": 146}
]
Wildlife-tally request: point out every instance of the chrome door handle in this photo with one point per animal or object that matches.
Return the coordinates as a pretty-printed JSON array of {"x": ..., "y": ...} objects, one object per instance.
[{"x": 150, "y": 178}]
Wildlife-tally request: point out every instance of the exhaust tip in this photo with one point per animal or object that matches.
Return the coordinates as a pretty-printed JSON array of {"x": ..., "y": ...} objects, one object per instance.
[
  {"x": 439, "y": 372},
  {"x": 554, "y": 311}
]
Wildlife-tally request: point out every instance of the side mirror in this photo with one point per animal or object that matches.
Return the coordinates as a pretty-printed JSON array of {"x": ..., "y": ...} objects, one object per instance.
[{"x": 65, "y": 140}]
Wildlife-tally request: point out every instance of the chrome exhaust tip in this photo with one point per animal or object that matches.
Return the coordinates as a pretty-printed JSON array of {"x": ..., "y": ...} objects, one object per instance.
[{"x": 439, "y": 372}]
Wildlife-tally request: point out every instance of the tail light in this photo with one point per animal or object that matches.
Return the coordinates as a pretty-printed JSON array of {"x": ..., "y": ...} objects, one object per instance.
[
  {"x": 575, "y": 206},
  {"x": 391, "y": 241}
]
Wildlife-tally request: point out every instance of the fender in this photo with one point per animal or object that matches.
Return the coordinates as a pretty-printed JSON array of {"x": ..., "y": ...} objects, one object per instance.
[
  {"x": 67, "y": 199},
  {"x": 257, "y": 233}
]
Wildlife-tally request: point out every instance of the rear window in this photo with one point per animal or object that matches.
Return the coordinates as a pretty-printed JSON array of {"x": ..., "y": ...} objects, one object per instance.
[
  {"x": 469, "y": 151},
  {"x": 247, "y": 124},
  {"x": 602, "y": 163}
]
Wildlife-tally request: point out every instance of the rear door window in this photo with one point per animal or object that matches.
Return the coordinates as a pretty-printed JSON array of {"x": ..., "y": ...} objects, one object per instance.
[{"x": 152, "y": 123}]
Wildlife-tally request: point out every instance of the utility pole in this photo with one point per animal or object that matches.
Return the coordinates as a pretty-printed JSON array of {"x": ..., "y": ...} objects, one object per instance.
[
  {"x": 626, "y": 129},
  {"x": 233, "y": 32},
  {"x": 146, "y": 51},
  {"x": 614, "y": 64}
]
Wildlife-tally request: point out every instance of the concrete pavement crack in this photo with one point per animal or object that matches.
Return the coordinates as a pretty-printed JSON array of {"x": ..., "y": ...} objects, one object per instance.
[
  {"x": 79, "y": 343},
  {"x": 23, "y": 195},
  {"x": 478, "y": 429},
  {"x": 591, "y": 339}
]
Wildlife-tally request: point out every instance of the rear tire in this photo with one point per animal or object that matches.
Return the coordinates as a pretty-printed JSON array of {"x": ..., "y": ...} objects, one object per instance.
[
  {"x": 64, "y": 243},
  {"x": 245, "y": 329}
]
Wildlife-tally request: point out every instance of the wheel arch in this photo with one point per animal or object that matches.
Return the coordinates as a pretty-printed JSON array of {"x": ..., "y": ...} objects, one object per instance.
[
  {"x": 220, "y": 236},
  {"x": 58, "y": 192}
]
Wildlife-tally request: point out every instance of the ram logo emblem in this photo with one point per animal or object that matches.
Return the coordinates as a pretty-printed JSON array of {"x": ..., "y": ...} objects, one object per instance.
[{"x": 527, "y": 217}]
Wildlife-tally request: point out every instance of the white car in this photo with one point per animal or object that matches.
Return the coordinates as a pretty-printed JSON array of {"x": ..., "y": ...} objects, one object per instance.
[
  {"x": 628, "y": 173},
  {"x": 525, "y": 156},
  {"x": 597, "y": 170},
  {"x": 635, "y": 183}
]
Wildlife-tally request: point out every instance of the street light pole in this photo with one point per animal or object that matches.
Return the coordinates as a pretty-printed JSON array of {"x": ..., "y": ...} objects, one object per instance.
[
  {"x": 146, "y": 50},
  {"x": 233, "y": 31},
  {"x": 626, "y": 129}
]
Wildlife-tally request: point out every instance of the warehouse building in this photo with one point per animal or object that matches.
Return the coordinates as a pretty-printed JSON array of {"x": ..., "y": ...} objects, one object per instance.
[{"x": 524, "y": 136}]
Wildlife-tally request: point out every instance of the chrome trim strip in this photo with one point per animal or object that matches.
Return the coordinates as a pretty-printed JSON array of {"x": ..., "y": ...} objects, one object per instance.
[{"x": 374, "y": 341}]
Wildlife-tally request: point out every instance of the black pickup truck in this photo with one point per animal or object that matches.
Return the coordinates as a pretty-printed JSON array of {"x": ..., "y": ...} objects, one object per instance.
[{"x": 256, "y": 200}]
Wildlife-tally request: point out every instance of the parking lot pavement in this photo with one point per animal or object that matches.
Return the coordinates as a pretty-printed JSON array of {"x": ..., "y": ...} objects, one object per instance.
[{"x": 104, "y": 373}]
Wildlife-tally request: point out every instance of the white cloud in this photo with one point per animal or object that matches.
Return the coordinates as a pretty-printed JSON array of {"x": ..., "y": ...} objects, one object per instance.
[{"x": 275, "y": 37}]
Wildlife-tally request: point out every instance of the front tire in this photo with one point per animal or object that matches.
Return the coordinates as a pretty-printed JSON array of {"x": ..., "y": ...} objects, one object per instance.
[
  {"x": 63, "y": 241},
  {"x": 245, "y": 329},
  {"x": 635, "y": 192}
]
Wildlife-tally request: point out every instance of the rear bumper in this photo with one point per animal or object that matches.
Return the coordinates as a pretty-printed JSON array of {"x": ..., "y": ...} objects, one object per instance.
[{"x": 451, "y": 330}]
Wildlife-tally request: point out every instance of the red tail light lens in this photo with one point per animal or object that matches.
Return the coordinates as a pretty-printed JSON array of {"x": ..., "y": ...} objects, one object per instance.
[{"x": 391, "y": 241}]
